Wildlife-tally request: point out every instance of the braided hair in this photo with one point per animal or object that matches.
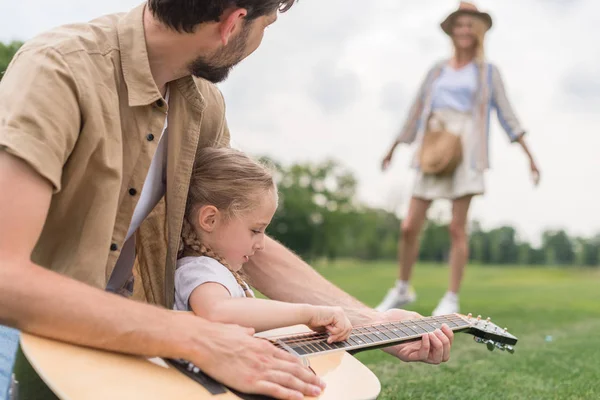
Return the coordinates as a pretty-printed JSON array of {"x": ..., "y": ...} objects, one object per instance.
[{"x": 191, "y": 246}]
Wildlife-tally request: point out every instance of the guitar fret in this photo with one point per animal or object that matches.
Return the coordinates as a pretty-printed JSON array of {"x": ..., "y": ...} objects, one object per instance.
[
  {"x": 412, "y": 328},
  {"x": 372, "y": 337},
  {"x": 425, "y": 329},
  {"x": 399, "y": 326},
  {"x": 393, "y": 332},
  {"x": 363, "y": 336},
  {"x": 381, "y": 332}
]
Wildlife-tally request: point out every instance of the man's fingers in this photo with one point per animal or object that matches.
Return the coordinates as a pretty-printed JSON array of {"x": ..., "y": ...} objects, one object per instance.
[
  {"x": 445, "y": 344},
  {"x": 423, "y": 352},
  {"x": 277, "y": 391},
  {"x": 437, "y": 348},
  {"x": 291, "y": 382},
  {"x": 449, "y": 333},
  {"x": 299, "y": 371},
  {"x": 285, "y": 356}
]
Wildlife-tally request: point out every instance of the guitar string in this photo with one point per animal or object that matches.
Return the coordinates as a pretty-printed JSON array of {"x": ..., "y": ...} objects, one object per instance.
[
  {"x": 306, "y": 339},
  {"x": 319, "y": 336}
]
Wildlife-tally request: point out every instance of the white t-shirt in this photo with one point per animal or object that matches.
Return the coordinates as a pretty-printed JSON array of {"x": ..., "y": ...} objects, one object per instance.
[
  {"x": 192, "y": 272},
  {"x": 455, "y": 89},
  {"x": 155, "y": 186}
]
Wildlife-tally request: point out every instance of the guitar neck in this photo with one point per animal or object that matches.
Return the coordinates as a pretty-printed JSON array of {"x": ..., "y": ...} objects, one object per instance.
[{"x": 370, "y": 336}]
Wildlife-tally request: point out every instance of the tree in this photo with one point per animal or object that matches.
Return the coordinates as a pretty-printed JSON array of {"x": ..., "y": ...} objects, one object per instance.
[
  {"x": 314, "y": 203},
  {"x": 558, "y": 248},
  {"x": 7, "y": 52}
]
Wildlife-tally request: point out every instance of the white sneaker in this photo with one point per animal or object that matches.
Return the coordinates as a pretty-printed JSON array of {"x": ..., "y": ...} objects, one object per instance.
[
  {"x": 396, "y": 299},
  {"x": 447, "y": 305}
]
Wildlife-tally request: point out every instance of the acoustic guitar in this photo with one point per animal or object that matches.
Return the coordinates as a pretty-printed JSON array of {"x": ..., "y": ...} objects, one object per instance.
[{"x": 80, "y": 373}]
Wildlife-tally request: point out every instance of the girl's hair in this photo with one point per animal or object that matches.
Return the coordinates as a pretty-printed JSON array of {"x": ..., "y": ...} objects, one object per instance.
[{"x": 230, "y": 181}]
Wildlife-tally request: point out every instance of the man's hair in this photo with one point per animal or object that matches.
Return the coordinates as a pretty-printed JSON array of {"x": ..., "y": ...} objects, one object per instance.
[{"x": 185, "y": 15}]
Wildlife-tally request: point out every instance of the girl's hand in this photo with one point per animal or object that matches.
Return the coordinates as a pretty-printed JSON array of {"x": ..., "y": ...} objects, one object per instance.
[{"x": 332, "y": 320}]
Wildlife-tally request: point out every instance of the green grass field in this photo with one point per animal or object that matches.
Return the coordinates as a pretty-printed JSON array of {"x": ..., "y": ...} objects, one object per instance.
[{"x": 555, "y": 313}]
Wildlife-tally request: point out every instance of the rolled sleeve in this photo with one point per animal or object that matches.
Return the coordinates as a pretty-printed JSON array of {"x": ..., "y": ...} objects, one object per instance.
[
  {"x": 39, "y": 112},
  {"x": 506, "y": 115}
]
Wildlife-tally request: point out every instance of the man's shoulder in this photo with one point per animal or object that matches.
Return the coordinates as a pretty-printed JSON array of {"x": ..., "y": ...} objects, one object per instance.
[
  {"x": 210, "y": 92},
  {"x": 98, "y": 36}
]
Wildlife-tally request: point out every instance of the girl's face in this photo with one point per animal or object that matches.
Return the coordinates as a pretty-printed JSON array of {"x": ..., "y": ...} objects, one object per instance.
[
  {"x": 463, "y": 36},
  {"x": 238, "y": 238}
]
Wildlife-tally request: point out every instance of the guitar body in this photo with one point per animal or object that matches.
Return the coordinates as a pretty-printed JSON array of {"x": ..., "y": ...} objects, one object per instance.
[{"x": 77, "y": 373}]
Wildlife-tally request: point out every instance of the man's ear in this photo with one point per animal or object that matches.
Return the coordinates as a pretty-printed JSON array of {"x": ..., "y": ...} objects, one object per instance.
[
  {"x": 207, "y": 218},
  {"x": 231, "y": 22}
]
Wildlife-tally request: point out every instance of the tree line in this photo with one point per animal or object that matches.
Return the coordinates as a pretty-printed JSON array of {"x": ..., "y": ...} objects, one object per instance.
[{"x": 319, "y": 217}]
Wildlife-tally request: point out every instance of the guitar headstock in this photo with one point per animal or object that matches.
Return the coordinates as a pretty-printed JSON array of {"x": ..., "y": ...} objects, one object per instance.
[{"x": 486, "y": 332}]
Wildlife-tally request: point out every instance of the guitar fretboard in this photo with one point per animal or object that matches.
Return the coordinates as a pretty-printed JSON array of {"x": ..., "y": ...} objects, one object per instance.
[{"x": 371, "y": 336}]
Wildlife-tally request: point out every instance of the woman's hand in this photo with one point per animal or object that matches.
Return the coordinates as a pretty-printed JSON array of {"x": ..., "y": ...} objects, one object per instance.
[
  {"x": 535, "y": 172},
  {"x": 387, "y": 160},
  {"x": 332, "y": 320}
]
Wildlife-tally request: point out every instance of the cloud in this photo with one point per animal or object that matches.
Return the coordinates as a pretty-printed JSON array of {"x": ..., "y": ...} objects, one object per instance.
[
  {"x": 333, "y": 88},
  {"x": 580, "y": 89}
]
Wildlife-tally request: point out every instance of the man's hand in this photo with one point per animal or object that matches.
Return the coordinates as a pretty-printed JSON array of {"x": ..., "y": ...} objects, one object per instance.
[
  {"x": 433, "y": 348},
  {"x": 231, "y": 355}
]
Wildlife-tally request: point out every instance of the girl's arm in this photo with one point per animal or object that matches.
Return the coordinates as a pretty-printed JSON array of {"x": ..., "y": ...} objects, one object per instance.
[{"x": 213, "y": 302}]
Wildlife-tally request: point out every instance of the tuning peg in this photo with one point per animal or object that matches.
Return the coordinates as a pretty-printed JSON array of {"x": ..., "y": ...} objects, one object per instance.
[
  {"x": 488, "y": 319},
  {"x": 505, "y": 329},
  {"x": 477, "y": 339},
  {"x": 510, "y": 349},
  {"x": 469, "y": 315},
  {"x": 479, "y": 318},
  {"x": 500, "y": 346},
  {"x": 490, "y": 345}
]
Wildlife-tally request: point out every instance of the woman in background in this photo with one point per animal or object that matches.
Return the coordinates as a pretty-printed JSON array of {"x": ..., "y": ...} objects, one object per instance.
[{"x": 449, "y": 121}]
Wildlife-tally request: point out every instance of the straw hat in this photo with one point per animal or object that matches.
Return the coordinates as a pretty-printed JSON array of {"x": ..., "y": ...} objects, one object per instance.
[{"x": 465, "y": 8}]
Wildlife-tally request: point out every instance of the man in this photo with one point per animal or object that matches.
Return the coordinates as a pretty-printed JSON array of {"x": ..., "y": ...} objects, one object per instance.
[{"x": 99, "y": 125}]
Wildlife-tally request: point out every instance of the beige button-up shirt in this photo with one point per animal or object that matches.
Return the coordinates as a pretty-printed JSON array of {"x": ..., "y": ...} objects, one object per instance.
[{"x": 79, "y": 104}]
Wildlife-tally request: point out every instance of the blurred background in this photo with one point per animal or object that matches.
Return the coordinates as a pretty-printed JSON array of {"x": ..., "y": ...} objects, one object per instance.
[{"x": 323, "y": 98}]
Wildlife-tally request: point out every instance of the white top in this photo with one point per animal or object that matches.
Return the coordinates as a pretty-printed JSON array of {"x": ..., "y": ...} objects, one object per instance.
[
  {"x": 155, "y": 186},
  {"x": 192, "y": 272},
  {"x": 455, "y": 89}
]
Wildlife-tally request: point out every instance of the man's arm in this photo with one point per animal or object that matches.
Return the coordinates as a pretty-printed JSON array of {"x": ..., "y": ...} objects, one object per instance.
[
  {"x": 42, "y": 302},
  {"x": 281, "y": 275}
]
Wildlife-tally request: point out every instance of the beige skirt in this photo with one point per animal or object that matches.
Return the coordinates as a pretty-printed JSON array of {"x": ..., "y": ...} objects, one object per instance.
[{"x": 465, "y": 180}]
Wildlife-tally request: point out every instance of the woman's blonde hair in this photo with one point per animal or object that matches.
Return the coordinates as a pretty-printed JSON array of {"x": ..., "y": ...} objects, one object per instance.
[
  {"x": 230, "y": 181},
  {"x": 479, "y": 29}
]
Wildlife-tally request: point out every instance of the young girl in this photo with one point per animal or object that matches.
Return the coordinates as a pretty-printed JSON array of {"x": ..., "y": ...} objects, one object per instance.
[{"x": 231, "y": 202}]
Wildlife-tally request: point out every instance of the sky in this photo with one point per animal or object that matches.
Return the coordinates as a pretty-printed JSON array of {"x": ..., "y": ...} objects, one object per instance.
[{"x": 335, "y": 79}]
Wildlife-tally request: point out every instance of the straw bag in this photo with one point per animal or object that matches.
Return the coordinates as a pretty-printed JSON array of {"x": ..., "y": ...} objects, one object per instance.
[{"x": 441, "y": 152}]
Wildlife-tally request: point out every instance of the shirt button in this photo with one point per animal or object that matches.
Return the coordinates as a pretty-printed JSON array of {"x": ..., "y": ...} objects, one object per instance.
[
  {"x": 149, "y": 137},
  {"x": 132, "y": 191},
  {"x": 114, "y": 247},
  {"x": 160, "y": 103}
]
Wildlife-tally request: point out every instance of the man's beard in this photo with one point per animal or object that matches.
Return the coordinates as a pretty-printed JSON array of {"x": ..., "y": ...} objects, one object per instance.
[{"x": 216, "y": 67}]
